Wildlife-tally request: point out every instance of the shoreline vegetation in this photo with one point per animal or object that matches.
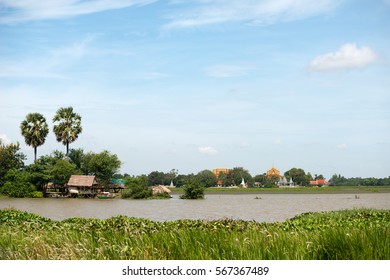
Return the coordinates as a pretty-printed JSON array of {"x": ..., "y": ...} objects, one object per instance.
[
  {"x": 298, "y": 190},
  {"x": 259, "y": 191},
  {"x": 357, "y": 234}
]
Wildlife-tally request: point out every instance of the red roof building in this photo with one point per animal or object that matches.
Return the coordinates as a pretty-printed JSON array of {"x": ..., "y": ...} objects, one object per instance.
[{"x": 319, "y": 182}]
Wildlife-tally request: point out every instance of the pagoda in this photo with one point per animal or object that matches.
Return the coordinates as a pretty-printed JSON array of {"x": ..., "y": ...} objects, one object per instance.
[{"x": 273, "y": 172}]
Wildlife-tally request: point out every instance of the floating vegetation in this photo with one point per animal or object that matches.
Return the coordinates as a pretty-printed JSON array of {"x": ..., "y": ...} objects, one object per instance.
[{"x": 347, "y": 234}]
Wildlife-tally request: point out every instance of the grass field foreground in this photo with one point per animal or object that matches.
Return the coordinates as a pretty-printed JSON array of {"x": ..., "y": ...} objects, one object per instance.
[{"x": 348, "y": 234}]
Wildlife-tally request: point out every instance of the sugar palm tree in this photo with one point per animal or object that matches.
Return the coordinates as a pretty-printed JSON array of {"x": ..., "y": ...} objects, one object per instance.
[
  {"x": 34, "y": 129},
  {"x": 69, "y": 126}
]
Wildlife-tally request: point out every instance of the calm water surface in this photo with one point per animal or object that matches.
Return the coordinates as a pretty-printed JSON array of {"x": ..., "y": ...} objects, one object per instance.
[{"x": 269, "y": 208}]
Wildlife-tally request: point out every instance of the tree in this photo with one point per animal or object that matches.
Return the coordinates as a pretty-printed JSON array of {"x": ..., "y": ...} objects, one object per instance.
[
  {"x": 69, "y": 126},
  {"x": 34, "y": 130},
  {"x": 136, "y": 188},
  {"x": 103, "y": 165},
  {"x": 239, "y": 173},
  {"x": 157, "y": 178},
  {"x": 182, "y": 179},
  {"x": 39, "y": 175},
  {"x": 262, "y": 180},
  {"x": 62, "y": 171},
  {"x": 207, "y": 178},
  {"x": 298, "y": 175},
  {"x": 76, "y": 156},
  {"x": 10, "y": 158}
]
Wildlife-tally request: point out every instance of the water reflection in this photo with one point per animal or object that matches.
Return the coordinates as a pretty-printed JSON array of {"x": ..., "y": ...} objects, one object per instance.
[{"x": 268, "y": 208}]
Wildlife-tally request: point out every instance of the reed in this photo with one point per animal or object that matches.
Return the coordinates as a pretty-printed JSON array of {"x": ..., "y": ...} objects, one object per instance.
[{"x": 349, "y": 234}]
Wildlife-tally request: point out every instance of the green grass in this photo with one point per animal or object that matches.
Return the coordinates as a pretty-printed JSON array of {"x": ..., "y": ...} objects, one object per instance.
[{"x": 349, "y": 234}]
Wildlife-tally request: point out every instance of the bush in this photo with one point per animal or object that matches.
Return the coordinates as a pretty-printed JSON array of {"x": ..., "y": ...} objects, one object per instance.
[
  {"x": 139, "y": 192},
  {"x": 193, "y": 190},
  {"x": 18, "y": 189},
  {"x": 163, "y": 195},
  {"x": 37, "y": 194}
]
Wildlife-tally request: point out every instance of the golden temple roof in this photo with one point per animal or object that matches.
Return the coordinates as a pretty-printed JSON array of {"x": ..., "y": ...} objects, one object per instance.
[{"x": 273, "y": 172}]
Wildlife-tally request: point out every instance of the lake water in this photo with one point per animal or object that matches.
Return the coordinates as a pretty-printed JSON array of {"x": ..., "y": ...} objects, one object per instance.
[{"x": 268, "y": 208}]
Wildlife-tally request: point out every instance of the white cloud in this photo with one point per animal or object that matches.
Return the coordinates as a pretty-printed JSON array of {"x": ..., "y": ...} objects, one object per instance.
[
  {"x": 243, "y": 145},
  {"x": 227, "y": 70},
  {"x": 342, "y": 146},
  {"x": 256, "y": 12},
  {"x": 207, "y": 150},
  {"x": 278, "y": 142},
  {"x": 26, "y": 10},
  {"x": 348, "y": 57},
  {"x": 47, "y": 65},
  {"x": 4, "y": 139}
]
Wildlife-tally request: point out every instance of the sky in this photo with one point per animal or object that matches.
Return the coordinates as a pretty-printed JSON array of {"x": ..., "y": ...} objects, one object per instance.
[{"x": 204, "y": 84}]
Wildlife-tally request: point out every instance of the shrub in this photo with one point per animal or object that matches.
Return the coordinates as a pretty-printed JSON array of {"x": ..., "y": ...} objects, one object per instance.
[
  {"x": 137, "y": 192},
  {"x": 37, "y": 194},
  {"x": 162, "y": 195},
  {"x": 18, "y": 189},
  {"x": 193, "y": 190}
]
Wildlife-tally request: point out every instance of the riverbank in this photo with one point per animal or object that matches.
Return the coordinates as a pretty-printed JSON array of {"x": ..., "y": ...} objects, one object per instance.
[
  {"x": 348, "y": 234},
  {"x": 297, "y": 190}
]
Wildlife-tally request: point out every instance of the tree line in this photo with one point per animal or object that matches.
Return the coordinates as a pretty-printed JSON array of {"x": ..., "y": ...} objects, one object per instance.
[
  {"x": 234, "y": 178},
  {"x": 338, "y": 180}
]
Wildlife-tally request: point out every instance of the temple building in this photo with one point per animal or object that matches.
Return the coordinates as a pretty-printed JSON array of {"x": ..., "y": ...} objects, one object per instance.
[
  {"x": 273, "y": 172},
  {"x": 283, "y": 183},
  {"x": 218, "y": 171}
]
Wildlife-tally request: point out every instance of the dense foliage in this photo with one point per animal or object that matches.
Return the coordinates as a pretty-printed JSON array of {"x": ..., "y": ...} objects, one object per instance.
[
  {"x": 136, "y": 188},
  {"x": 10, "y": 158},
  {"x": 18, "y": 185},
  {"x": 359, "y": 234},
  {"x": 193, "y": 190},
  {"x": 103, "y": 165},
  {"x": 19, "y": 189}
]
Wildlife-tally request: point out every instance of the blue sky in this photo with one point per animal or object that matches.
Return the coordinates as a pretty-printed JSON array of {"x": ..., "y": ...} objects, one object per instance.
[{"x": 203, "y": 84}]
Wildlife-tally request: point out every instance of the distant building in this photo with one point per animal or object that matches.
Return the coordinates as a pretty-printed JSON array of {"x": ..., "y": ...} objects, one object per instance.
[
  {"x": 283, "y": 183},
  {"x": 319, "y": 182},
  {"x": 218, "y": 171},
  {"x": 273, "y": 172}
]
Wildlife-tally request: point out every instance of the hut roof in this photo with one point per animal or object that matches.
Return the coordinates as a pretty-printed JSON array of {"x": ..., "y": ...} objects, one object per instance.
[
  {"x": 160, "y": 189},
  {"x": 82, "y": 181}
]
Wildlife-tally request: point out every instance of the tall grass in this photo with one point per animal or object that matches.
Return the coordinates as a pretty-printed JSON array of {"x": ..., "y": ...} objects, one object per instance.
[{"x": 351, "y": 234}]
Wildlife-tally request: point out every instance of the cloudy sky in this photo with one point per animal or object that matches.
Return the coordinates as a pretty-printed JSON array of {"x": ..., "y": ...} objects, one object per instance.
[{"x": 201, "y": 84}]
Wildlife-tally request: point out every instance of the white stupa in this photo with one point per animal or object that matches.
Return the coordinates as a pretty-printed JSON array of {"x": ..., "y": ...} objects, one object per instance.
[{"x": 243, "y": 184}]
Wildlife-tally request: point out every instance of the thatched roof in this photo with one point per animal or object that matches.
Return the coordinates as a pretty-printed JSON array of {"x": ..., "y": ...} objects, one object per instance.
[
  {"x": 160, "y": 189},
  {"x": 82, "y": 181}
]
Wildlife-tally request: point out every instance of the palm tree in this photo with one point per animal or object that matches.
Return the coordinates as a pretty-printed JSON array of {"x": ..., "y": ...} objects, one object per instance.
[
  {"x": 69, "y": 126},
  {"x": 34, "y": 129}
]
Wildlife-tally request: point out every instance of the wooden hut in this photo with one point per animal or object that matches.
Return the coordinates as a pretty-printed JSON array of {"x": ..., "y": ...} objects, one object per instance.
[{"x": 84, "y": 185}]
